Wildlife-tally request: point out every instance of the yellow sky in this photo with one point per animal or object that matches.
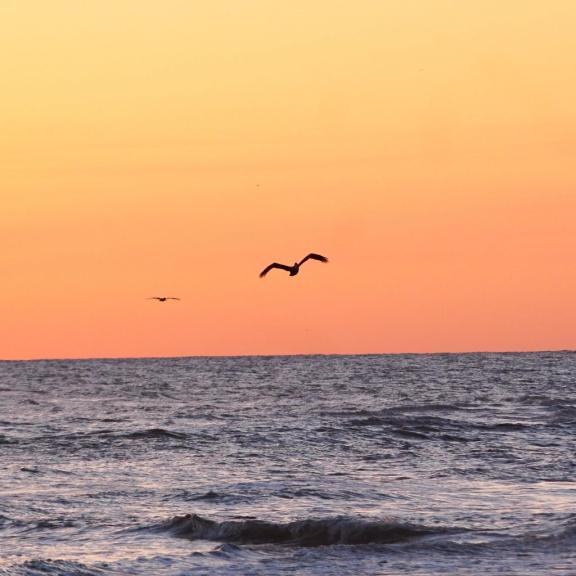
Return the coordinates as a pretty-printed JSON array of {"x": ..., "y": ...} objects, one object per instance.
[{"x": 177, "y": 147}]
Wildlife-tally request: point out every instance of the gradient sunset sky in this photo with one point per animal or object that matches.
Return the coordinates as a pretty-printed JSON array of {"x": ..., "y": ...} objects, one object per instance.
[{"x": 176, "y": 147}]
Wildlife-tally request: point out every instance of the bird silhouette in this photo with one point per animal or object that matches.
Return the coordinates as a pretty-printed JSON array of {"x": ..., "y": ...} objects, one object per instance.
[
  {"x": 293, "y": 270},
  {"x": 162, "y": 298}
]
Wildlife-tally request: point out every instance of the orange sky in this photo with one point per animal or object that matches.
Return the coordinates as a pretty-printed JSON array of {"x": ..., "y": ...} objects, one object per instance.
[{"x": 177, "y": 147}]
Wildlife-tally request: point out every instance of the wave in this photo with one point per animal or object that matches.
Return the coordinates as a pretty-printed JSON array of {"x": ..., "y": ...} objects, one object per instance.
[
  {"x": 156, "y": 433},
  {"x": 310, "y": 532},
  {"x": 399, "y": 409},
  {"x": 111, "y": 434},
  {"x": 53, "y": 568},
  {"x": 210, "y": 495},
  {"x": 248, "y": 494},
  {"x": 6, "y": 440},
  {"x": 24, "y": 526},
  {"x": 425, "y": 426},
  {"x": 7, "y": 523},
  {"x": 564, "y": 534}
]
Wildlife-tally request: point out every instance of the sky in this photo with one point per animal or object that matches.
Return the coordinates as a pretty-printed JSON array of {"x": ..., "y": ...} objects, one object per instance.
[{"x": 178, "y": 147}]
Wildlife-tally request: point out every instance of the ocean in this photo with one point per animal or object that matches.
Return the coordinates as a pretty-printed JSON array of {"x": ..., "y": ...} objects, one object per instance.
[{"x": 459, "y": 464}]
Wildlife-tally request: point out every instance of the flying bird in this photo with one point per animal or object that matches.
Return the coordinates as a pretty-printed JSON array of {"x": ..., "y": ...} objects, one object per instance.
[
  {"x": 162, "y": 298},
  {"x": 293, "y": 270}
]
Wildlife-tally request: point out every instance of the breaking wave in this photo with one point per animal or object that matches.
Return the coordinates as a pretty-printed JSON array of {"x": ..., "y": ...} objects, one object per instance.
[{"x": 310, "y": 532}]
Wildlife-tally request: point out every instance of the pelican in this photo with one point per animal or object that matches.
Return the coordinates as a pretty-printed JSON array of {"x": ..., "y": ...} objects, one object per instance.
[
  {"x": 162, "y": 298},
  {"x": 293, "y": 270}
]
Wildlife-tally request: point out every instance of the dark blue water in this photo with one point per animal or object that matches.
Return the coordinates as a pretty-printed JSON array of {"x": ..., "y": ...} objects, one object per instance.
[{"x": 315, "y": 465}]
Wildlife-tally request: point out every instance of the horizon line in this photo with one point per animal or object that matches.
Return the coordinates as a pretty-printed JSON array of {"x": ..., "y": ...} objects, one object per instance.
[{"x": 329, "y": 354}]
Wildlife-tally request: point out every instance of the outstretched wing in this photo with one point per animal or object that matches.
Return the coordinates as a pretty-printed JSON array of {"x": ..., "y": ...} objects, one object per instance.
[
  {"x": 162, "y": 298},
  {"x": 313, "y": 256},
  {"x": 274, "y": 265}
]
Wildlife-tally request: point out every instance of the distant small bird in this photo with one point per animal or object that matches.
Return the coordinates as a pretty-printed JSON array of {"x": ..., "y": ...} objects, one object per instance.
[
  {"x": 293, "y": 270},
  {"x": 162, "y": 298}
]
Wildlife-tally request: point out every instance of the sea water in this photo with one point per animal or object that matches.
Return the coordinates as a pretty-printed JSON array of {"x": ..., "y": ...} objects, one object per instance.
[{"x": 308, "y": 465}]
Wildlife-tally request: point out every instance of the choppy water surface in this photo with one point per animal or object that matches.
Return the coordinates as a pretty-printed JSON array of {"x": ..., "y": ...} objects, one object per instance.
[{"x": 317, "y": 465}]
